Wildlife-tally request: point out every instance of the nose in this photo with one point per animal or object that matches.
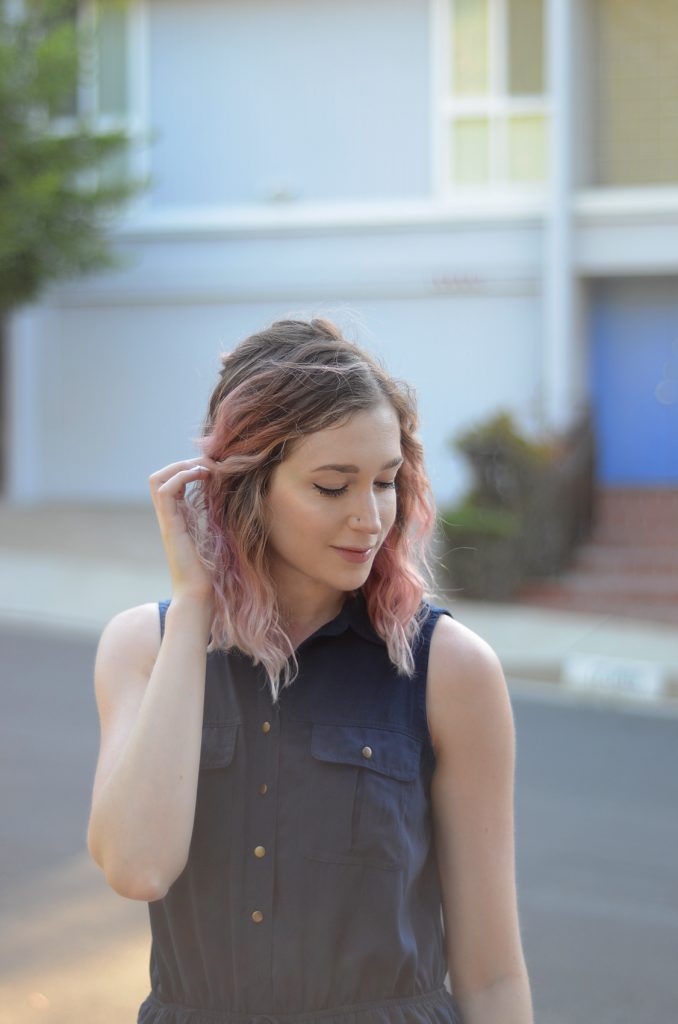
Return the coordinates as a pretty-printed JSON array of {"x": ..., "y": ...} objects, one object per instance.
[{"x": 365, "y": 516}]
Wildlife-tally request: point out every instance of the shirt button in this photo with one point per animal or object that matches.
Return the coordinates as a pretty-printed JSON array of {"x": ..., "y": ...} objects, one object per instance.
[
  {"x": 263, "y": 788},
  {"x": 257, "y": 916},
  {"x": 367, "y": 751},
  {"x": 259, "y": 851},
  {"x": 265, "y": 726}
]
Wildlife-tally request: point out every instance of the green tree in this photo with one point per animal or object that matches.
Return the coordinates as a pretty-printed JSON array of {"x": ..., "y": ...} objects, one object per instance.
[{"x": 58, "y": 189}]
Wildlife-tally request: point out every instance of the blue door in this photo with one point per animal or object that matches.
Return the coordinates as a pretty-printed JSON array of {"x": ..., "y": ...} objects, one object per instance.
[{"x": 634, "y": 380}]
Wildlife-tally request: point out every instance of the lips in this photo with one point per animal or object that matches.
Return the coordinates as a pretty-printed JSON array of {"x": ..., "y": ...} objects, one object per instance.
[{"x": 355, "y": 554}]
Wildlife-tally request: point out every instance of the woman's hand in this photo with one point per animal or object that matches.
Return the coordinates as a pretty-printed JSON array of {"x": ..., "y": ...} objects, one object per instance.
[{"x": 189, "y": 576}]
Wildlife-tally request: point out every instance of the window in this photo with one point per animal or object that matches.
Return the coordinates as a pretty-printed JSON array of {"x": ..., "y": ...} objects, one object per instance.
[
  {"x": 111, "y": 59},
  {"x": 103, "y": 91},
  {"x": 495, "y": 111}
]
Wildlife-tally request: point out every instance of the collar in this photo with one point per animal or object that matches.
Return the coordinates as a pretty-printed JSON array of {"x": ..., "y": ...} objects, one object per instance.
[
  {"x": 359, "y": 619},
  {"x": 353, "y": 615}
]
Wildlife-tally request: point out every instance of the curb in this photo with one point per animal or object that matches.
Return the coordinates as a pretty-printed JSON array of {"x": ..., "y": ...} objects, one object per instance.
[
  {"x": 538, "y": 680},
  {"x": 541, "y": 650},
  {"x": 568, "y": 696}
]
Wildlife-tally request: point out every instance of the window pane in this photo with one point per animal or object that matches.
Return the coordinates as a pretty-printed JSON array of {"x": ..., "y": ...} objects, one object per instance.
[
  {"x": 636, "y": 109},
  {"x": 470, "y": 52},
  {"x": 115, "y": 169},
  {"x": 66, "y": 106},
  {"x": 64, "y": 23},
  {"x": 471, "y": 149},
  {"x": 527, "y": 149},
  {"x": 112, "y": 57},
  {"x": 525, "y": 47}
]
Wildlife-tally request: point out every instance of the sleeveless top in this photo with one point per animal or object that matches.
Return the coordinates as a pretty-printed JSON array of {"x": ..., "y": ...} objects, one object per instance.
[{"x": 311, "y": 892}]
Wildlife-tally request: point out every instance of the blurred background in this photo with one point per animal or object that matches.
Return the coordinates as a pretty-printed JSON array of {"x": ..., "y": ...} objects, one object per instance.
[{"x": 483, "y": 193}]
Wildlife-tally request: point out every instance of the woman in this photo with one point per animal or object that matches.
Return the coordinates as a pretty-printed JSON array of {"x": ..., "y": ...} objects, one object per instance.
[{"x": 303, "y": 762}]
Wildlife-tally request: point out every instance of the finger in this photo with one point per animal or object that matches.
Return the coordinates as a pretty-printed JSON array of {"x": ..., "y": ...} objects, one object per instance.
[
  {"x": 181, "y": 478},
  {"x": 167, "y": 471}
]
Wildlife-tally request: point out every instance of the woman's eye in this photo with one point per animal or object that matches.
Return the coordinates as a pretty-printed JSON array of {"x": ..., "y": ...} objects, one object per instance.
[
  {"x": 328, "y": 490},
  {"x": 384, "y": 484}
]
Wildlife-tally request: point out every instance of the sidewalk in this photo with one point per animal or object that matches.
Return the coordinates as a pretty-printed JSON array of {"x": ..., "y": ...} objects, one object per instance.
[{"x": 72, "y": 567}]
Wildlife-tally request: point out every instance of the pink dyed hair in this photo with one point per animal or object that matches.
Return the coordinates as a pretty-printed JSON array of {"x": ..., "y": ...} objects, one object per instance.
[{"x": 282, "y": 383}]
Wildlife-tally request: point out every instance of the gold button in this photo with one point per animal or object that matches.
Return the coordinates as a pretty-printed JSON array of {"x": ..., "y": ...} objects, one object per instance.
[
  {"x": 259, "y": 851},
  {"x": 263, "y": 788},
  {"x": 257, "y": 916},
  {"x": 367, "y": 751},
  {"x": 265, "y": 726}
]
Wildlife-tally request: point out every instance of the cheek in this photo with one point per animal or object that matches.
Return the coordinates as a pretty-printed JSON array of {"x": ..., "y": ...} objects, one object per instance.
[
  {"x": 317, "y": 517},
  {"x": 301, "y": 516},
  {"x": 389, "y": 509}
]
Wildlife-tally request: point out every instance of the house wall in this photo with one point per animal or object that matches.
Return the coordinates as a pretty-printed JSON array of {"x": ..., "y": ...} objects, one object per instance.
[
  {"x": 330, "y": 104},
  {"x": 112, "y": 372},
  {"x": 122, "y": 372},
  {"x": 260, "y": 97}
]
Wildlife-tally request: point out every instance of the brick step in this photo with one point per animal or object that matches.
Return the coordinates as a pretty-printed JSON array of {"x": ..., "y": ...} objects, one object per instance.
[
  {"x": 638, "y": 514},
  {"x": 627, "y": 567},
  {"x": 637, "y": 509},
  {"x": 597, "y": 558},
  {"x": 618, "y": 605},
  {"x": 628, "y": 535},
  {"x": 637, "y": 586},
  {"x": 636, "y": 494}
]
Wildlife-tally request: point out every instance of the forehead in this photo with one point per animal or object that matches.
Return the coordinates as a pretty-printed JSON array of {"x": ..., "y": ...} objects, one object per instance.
[{"x": 370, "y": 433}]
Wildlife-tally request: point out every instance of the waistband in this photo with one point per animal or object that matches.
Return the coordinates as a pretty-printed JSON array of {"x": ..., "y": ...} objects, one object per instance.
[{"x": 434, "y": 1007}]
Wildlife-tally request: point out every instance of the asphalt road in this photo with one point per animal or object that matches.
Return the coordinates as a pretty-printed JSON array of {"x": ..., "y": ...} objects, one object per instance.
[{"x": 596, "y": 841}]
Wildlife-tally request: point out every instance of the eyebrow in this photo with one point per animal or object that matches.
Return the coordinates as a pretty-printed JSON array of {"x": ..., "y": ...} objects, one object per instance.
[{"x": 342, "y": 468}]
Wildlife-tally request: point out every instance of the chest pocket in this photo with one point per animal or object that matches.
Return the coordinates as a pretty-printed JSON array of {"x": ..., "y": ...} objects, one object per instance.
[
  {"x": 218, "y": 744},
  {"x": 214, "y": 810},
  {"x": 363, "y": 791}
]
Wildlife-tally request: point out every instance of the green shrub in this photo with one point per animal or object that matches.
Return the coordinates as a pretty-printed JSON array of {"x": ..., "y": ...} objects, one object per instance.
[
  {"x": 492, "y": 522},
  {"x": 515, "y": 521}
]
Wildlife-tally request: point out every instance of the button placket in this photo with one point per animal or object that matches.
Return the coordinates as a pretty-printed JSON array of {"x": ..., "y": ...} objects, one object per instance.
[{"x": 259, "y": 868}]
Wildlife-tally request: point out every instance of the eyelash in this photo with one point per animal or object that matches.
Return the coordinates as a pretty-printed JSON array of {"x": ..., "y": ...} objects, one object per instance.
[{"x": 341, "y": 490}]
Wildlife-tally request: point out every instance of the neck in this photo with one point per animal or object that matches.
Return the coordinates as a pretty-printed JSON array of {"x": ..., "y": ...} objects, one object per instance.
[
  {"x": 305, "y": 603},
  {"x": 309, "y": 615}
]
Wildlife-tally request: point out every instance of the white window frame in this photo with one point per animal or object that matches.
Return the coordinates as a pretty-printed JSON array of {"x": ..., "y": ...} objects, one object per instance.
[
  {"x": 135, "y": 120},
  {"x": 494, "y": 104}
]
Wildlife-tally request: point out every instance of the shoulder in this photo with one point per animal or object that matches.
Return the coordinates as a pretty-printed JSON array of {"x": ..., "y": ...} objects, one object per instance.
[
  {"x": 466, "y": 690},
  {"x": 126, "y": 653},
  {"x": 131, "y": 637}
]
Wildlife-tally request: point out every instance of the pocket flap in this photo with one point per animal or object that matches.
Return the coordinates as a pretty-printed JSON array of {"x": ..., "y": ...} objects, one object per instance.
[
  {"x": 381, "y": 750},
  {"x": 218, "y": 744}
]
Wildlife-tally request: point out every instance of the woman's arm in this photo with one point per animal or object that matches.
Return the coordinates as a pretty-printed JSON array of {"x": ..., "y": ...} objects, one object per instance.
[
  {"x": 472, "y": 730},
  {"x": 150, "y": 700}
]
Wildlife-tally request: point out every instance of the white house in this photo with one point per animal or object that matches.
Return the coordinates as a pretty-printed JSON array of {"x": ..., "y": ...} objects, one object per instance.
[{"x": 483, "y": 192}]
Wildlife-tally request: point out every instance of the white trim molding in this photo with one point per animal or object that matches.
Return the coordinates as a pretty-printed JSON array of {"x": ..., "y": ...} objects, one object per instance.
[
  {"x": 626, "y": 232},
  {"x": 637, "y": 205},
  {"x": 474, "y": 284},
  {"x": 150, "y": 223}
]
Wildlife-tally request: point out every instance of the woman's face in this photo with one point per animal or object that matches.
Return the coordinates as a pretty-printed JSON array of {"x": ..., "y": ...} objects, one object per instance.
[{"x": 335, "y": 490}]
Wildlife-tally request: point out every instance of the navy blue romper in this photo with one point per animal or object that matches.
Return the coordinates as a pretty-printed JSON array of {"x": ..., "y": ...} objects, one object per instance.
[{"x": 311, "y": 892}]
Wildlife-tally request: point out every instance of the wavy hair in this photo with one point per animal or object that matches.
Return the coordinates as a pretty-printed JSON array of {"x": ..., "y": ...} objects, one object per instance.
[{"x": 278, "y": 385}]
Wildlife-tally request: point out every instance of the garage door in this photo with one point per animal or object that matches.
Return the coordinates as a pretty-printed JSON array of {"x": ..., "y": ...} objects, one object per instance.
[{"x": 634, "y": 380}]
